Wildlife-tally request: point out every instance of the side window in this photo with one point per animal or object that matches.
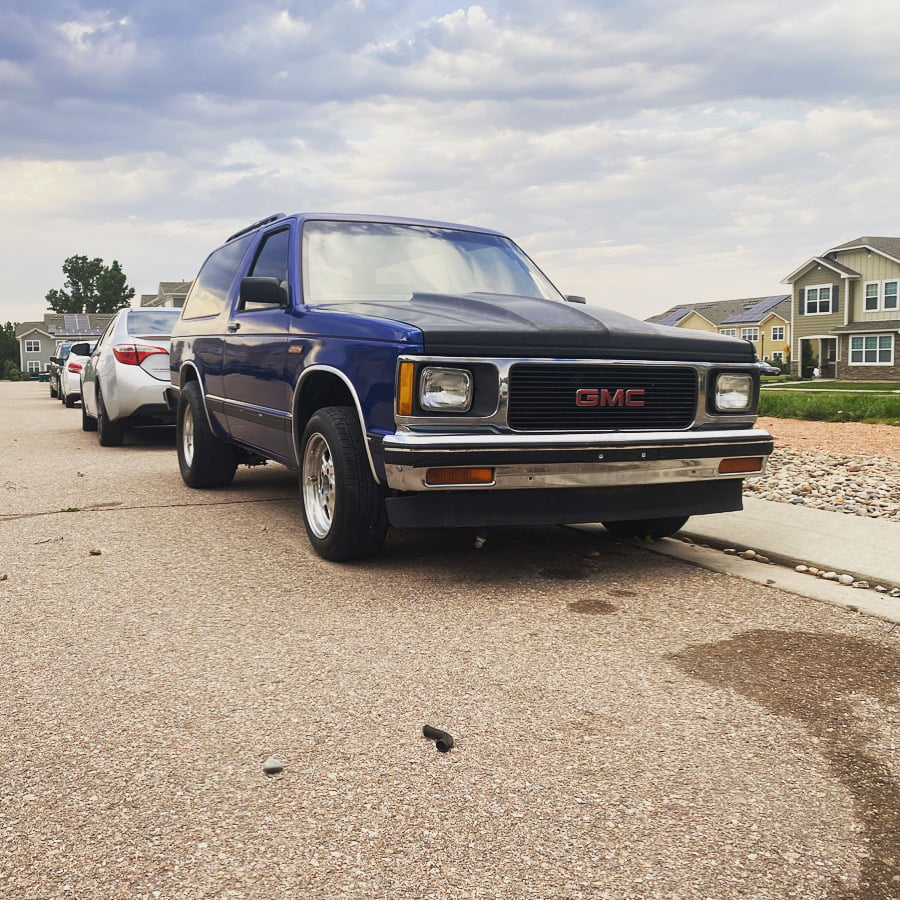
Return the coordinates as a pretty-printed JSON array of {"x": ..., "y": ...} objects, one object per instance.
[
  {"x": 272, "y": 261},
  {"x": 209, "y": 293}
]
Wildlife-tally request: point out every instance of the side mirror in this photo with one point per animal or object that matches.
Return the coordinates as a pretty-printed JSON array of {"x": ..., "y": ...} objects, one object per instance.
[
  {"x": 574, "y": 298},
  {"x": 263, "y": 292}
]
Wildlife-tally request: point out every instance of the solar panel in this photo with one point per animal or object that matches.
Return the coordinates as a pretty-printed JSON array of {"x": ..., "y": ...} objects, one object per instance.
[{"x": 77, "y": 323}]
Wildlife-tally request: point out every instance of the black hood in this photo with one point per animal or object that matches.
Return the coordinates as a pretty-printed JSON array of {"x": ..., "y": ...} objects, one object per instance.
[{"x": 501, "y": 325}]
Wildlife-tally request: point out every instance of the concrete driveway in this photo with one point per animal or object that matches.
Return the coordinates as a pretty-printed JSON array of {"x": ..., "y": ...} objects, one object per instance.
[{"x": 626, "y": 725}]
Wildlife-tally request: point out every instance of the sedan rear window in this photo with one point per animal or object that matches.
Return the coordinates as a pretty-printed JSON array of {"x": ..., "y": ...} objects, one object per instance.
[{"x": 152, "y": 321}]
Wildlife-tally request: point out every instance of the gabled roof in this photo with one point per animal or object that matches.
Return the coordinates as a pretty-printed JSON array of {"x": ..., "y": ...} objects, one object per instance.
[
  {"x": 26, "y": 328},
  {"x": 888, "y": 247},
  {"x": 672, "y": 316},
  {"x": 748, "y": 310},
  {"x": 756, "y": 311}
]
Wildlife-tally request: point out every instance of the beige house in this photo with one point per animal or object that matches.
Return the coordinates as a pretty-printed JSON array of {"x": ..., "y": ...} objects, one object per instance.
[
  {"x": 846, "y": 312},
  {"x": 170, "y": 293},
  {"x": 764, "y": 321}
]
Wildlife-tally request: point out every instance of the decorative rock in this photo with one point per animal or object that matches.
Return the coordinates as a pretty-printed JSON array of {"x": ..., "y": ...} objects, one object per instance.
[
  {"x": 846, "y": 579},
  {"x": 762, "y": 559},
  {"x": 830, "y": 576},
  {"x": 748, "y": 554},
  {"x": 881, "y": 589},
  {"x": 801, "y": 568},
  {"x": 272, "y": 766},
  {"x": 813, "y": 570},
  {"x": 861, "y": 584}
]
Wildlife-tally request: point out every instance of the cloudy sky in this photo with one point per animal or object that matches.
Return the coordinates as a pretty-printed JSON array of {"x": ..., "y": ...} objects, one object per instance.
[{"x": 644, "y": 152}]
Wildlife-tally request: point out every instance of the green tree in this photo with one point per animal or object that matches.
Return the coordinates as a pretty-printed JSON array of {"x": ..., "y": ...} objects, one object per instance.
[
  {"x": 91, "y": 287},
  {"x": 9, "y": 349}
]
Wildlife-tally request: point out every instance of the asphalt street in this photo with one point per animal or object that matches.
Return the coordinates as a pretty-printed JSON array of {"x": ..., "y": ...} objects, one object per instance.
[{"x": 625, "y": 724}]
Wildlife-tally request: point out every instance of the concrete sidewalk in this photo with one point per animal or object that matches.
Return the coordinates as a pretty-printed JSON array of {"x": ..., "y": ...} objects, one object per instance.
[{"x": 869, "y": 549}]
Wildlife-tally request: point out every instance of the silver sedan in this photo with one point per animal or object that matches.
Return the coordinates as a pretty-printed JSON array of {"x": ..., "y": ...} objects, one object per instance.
[{"x": 123, "y": 382}]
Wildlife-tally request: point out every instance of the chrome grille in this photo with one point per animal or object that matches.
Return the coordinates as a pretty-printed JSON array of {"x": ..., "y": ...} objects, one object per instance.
[{"x": 542, "y": 397}]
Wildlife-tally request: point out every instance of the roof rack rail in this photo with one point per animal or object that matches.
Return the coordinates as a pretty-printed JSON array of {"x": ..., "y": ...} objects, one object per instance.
[{"x": 267, "y": 221}]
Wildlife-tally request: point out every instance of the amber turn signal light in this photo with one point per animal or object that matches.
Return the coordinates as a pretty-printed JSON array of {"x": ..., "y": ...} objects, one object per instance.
[
  {"x": 741, "y": 465},
  {"x": 459, "y": 476},
  {"x": 405, "y": 389}
]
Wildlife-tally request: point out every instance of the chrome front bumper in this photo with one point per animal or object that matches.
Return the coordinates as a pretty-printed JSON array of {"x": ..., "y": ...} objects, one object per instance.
[{"x": 572, "y": 460}]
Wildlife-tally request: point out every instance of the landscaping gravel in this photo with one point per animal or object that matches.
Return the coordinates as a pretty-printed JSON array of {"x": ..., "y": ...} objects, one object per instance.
[{"x": 851, "y": 468}]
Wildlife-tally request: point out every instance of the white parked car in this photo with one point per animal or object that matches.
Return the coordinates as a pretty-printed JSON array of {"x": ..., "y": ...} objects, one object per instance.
[
  {"x": 70, "y": 372},
  {"x": 124, "y": 380}
]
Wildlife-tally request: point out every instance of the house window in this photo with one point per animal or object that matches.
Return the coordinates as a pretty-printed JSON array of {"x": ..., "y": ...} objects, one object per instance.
[
  {"x": 33, "y": 347},
  {"x": 750, "y": 334},
  {"x": 33, "y": 366},
  {"x": 872, "y": 350},
  {"x": 728, "y": 332},
  {"x": 872, "y": 291},
  {"x": 778, "y": 332},
  {"x": 880, "y": 295},
  {"x": 818, "y": 300},
  {"x": 777, "y": 357}
]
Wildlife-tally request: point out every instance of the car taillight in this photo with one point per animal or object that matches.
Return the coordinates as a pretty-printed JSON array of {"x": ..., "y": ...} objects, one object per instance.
[
  {"x": 74, "y": 367},
  {"x": 135, "y": 354}
]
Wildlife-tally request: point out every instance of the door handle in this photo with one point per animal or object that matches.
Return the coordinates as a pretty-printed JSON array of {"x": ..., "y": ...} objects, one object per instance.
[{"x": 233, "y": 326}]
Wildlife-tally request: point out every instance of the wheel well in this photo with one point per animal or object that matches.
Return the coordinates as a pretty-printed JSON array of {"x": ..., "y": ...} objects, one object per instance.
[
  {"x": 319, "y": 389},
  {"x": 188, "y": 373}
]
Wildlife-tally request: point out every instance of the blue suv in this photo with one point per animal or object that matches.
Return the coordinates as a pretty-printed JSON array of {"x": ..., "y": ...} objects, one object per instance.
[{"x": 419, "y": 373}]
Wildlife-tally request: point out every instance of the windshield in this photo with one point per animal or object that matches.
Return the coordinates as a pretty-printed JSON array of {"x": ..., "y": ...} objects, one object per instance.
[{"x": 349, "y": 262}]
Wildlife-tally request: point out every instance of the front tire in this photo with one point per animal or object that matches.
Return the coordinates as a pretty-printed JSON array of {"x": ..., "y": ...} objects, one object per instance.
[
  {"x": 343, "y": 507},
  {"x": 109, "y": 433},
  {"x": 646, "y": 529},
  {"x": 205, "y": 461},
  {"x": 69, "y": 401}
]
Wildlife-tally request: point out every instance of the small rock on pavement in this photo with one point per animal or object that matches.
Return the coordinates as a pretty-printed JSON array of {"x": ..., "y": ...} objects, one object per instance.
[
  {"x": 95, "y": 552},
  {"x": 272, "y": 766}
]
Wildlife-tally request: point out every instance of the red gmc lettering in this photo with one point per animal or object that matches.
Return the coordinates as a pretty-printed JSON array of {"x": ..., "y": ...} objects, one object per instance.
[{"x": 605, "y": 397}]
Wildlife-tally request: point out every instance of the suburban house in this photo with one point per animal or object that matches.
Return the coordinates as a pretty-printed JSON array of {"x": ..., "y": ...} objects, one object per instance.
[
  {"x": 846, "y": 312},
  {"x": 170, "y": 293},
  {"x": 764, "y": 321},
  {"x": 38, "y": 340}
]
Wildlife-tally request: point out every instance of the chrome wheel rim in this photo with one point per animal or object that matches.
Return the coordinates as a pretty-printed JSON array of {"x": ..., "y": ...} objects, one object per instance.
[
  {"x": 318, "y": 485},
  {"x": 187, "y": 436}
]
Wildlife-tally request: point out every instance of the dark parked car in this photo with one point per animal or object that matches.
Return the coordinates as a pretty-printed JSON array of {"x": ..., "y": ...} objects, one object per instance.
[
  {"x": 57, "y": 361},
  {"x": 426, "y": 374}
]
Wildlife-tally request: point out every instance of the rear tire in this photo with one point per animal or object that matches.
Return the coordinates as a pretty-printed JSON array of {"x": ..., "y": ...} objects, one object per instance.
[
  {"x": 647, "y": 529},
  {"x": 343, "y": 507},
  {"x": 205, "y": 461},
  {"x": 109, "y": 433}
]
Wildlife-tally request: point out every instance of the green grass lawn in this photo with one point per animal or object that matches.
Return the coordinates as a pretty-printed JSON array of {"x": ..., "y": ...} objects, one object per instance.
[
  {"x": 832, "y": 401},
  {"x": 816, "y": 385}
]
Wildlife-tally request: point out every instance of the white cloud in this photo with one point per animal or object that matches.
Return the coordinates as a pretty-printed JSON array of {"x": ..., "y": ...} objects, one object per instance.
[{"x": 662, "y": 152}]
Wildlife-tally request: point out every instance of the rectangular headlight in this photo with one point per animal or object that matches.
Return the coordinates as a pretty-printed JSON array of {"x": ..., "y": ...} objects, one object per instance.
[
  {"x": 445, "y": 390},
  {"x": 734, "y": 393}
]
